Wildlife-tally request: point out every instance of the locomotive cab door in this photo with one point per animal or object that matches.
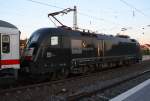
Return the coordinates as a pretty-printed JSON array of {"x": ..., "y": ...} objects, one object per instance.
[{"x": 100, "y": 48}]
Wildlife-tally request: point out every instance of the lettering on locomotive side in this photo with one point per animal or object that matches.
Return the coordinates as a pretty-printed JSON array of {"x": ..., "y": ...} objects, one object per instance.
[
  {"x": 78, "y": 47},
  {"x": 76, "y": 51},
  {"x": 80, "y": 50},
  {"x": 88, "y": 49}
]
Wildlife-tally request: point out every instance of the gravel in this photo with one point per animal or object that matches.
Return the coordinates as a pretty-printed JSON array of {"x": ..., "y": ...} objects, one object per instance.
[
  {"x": 59, "y": 91},
  {"x": 116, "y": 90}
]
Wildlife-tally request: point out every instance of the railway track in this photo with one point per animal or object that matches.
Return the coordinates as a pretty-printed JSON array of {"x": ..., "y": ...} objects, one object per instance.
[
  {"x": 71, "y": 88},
  {"x": 115, "y": 82}
]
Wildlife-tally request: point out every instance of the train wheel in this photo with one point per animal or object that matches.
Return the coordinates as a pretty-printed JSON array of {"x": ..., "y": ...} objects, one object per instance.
[
  {"x": 85, "y": 69},
  {"x": 62, "y": 73},
  {"x": 99, "y": 67},
  {"x": 53, "y": 76},
  {"x": 127, "y": 63},
  {"x": 92, "y": 68}
]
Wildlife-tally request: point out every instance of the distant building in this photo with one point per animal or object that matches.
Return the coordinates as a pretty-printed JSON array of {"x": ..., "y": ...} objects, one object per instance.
[
  {"x": 148, "y": 46},
  {"x": 145, "y": 49},
  {"x": 22, "y": 45}
]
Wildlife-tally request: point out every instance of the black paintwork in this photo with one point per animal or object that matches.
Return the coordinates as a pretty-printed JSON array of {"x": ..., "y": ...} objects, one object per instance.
[{"x": 112, "y": 49}]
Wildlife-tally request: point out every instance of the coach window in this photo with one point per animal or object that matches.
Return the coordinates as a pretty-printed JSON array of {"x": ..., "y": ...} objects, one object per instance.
[{"x": 5, "y": 44}]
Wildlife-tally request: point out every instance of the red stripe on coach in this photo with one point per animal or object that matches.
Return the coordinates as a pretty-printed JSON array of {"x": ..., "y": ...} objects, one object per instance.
[{"x": 10, "y": 62}]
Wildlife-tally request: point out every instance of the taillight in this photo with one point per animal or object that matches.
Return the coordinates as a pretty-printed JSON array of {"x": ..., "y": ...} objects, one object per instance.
[{"x": 29, "y": 54}]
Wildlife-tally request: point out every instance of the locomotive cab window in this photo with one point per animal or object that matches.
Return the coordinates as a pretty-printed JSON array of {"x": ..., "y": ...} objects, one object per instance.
[
  {"x": 5, "y": 44},
  {"x": 54, "y": 40}
]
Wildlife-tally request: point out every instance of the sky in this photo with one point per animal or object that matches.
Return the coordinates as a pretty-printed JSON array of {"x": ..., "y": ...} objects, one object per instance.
[{"x": 104, "y": 16}]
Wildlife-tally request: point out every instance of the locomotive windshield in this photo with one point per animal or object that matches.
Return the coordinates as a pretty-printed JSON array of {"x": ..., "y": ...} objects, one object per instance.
[{"x": 33, "y": 39}]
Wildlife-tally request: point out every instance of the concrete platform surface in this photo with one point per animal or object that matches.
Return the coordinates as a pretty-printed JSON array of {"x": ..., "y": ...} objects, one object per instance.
[
  {"x": 140, "y": 92},
  {"x": 145, "y": 57}
]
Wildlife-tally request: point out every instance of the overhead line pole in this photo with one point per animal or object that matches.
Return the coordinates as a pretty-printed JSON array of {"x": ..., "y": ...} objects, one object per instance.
[{"x": 75, "y": 27}]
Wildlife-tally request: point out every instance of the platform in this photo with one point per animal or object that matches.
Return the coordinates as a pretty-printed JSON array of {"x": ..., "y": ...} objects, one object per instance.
[
  {"x": 145, "y": 57},
  {"x": 140, "y": 92}
]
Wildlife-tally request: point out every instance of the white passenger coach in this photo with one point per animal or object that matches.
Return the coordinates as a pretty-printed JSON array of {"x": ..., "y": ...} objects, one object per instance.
[{"x": 9, "y": 50}]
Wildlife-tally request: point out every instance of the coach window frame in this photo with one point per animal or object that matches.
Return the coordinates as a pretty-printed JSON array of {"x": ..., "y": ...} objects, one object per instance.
[{"x": 5, "y": 44}]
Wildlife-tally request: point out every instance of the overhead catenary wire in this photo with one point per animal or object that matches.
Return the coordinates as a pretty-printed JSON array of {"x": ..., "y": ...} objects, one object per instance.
[
  {"x": 133, "y": 7},
  {"x": 90, "y": 16},
  {"x": 97, "y": 18},
  {"x": 80, "y": 13},
  {"x": 45, "y": 4}
]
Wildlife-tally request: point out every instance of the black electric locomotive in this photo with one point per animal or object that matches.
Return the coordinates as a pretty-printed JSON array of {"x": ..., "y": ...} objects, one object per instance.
[{"x": 60, "y": 51}]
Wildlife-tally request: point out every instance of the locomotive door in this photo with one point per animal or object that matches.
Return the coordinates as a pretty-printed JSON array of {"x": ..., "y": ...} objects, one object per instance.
[
  {"x": 103, "y": 47},
  {"x": 100, "y": 48}
]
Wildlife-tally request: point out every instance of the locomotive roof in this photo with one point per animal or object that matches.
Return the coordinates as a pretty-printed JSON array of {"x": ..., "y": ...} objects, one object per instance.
[
  {"x": 58, "y": 31},
  {"x": 7, "y": 24},
  {"x": 69, "y": 32}
]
